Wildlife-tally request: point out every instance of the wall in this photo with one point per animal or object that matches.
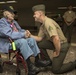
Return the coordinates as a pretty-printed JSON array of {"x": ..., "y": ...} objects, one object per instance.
[{"x": 25, "y": 18}]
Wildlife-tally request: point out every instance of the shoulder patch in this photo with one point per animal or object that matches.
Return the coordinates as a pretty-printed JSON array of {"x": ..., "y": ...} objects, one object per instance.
[{"x": 50, "y": 28}]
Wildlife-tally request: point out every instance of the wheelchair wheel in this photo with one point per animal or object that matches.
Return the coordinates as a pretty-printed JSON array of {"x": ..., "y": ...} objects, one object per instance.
[{"x": 18, "y": 71}]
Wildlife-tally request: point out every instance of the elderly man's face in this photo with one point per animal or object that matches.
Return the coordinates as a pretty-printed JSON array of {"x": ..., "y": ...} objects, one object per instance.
[{"x": 9, "y": 15}]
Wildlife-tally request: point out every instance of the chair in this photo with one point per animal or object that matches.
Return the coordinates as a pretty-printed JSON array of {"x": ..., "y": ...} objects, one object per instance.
[{"x": 19, "y": 58}]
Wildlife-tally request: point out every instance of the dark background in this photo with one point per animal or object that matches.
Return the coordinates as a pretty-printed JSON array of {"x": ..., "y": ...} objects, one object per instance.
[{"x": 25, "y": 14}]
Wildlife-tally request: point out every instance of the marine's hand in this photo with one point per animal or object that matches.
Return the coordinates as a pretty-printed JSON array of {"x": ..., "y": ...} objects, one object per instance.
[{"x": 56, "y": 53}]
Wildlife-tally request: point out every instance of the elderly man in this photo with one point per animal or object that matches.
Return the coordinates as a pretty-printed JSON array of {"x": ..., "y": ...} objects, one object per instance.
[
  {"x": 51, "y": 37},
  {"x": 9, "y": 28}
]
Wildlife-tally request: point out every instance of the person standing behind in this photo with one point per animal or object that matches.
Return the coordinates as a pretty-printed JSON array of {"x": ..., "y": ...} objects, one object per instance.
[
  {"x": 51, "y": 37},
  {"x": 69, "y": 21}
]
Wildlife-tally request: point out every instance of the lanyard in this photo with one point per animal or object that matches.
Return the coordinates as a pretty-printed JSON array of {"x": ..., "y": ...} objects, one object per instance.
[{"x": 14, "y": 27}]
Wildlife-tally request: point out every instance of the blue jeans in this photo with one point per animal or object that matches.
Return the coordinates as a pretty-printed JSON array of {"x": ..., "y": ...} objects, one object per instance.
[{"x": 27, "y": 47}]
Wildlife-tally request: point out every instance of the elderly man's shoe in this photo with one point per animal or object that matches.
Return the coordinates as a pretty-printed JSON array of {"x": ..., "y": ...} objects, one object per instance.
[{"x": 33, "y": 70}]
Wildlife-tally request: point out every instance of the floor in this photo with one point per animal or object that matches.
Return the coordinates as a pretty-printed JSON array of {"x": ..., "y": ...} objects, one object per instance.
[{"x": 71, "y": 56}]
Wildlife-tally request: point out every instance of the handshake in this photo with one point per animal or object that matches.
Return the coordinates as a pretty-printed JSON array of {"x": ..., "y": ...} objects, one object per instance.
[{"x": 27, "y": 34}]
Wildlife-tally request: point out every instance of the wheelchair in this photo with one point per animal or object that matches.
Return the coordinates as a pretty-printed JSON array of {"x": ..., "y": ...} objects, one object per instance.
[{"x": 19, "y": 59}]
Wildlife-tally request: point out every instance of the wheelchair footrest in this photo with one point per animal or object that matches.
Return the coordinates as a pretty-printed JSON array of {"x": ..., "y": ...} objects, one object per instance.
[{"x": 8, "y": 62}]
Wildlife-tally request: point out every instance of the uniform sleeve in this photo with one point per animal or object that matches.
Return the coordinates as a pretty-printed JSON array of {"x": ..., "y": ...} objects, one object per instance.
[
  {"x": 51, "y": 29},
  {"x": 41, "y": 33},
  {"x": 64, "y": 16}
]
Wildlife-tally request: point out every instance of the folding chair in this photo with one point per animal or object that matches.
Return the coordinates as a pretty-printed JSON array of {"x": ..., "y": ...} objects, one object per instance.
[{"x": 19, "y": 58}]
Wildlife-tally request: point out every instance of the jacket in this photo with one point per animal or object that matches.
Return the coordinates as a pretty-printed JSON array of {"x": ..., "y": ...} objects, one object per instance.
[{"x": 7, "y": 32}]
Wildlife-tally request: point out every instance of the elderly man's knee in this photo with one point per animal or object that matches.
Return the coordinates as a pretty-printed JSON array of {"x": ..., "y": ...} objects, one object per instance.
[
  {"x": 32, "y": 39},
  {"x": 22, "y": 41}
]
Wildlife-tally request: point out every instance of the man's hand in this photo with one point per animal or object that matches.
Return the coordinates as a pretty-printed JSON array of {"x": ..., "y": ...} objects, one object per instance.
[
  {"x": 56, "y": 53},
  {"x": 27, "y": 33},
  {"x": 57, "y": 45}
]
